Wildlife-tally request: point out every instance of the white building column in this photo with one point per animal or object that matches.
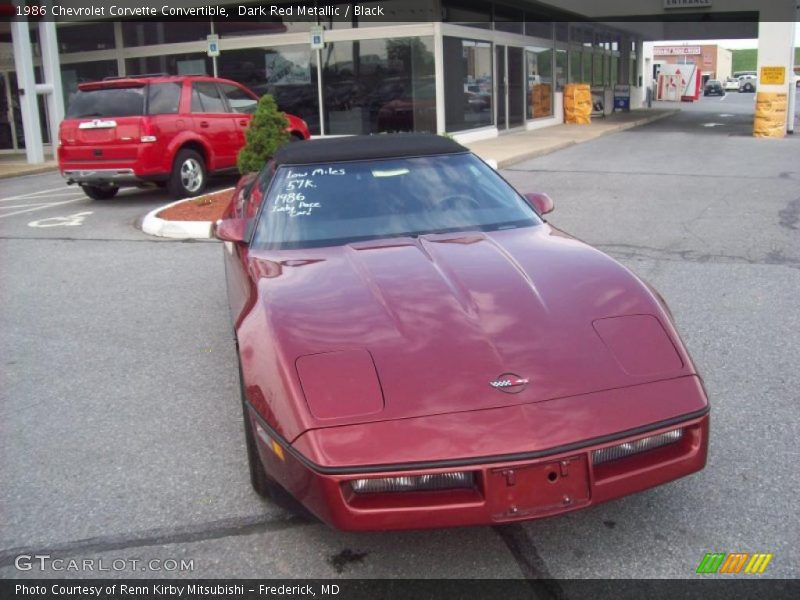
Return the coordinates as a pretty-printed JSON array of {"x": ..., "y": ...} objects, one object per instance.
[
  {"x": 26, "y": 83},
  {"x": 438, "y": 69},
  {"x": 54, "y": 93},
  {"x": 775, "y": 49}
]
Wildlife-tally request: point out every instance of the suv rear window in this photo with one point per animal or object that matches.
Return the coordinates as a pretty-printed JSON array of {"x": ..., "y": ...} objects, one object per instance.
[
  {"x": 163, "y": 98},
  {"x": 109, "y": 102}
]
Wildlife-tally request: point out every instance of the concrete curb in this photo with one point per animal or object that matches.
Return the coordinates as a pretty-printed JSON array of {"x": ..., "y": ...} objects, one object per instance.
[
  {"x": 646, "y": 120},
  {"x": 507, "y": 162},
  {"x": 178, "y": 230},
  {"x": 26, "y": 170},
  {"x": 502, "y": 164}
]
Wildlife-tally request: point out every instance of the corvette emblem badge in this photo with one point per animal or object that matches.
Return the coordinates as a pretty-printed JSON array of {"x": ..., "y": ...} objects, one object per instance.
[{"x": 510, "y": 383}]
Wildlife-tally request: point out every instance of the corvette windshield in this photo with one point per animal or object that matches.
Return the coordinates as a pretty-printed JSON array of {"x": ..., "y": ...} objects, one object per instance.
[{"x": 338, "y": 203}]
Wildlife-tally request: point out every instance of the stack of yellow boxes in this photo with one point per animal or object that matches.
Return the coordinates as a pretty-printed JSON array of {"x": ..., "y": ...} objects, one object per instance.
[
  {"x": 770, "y": 116},
  {"x": 541, "y": 95},
  {"x": 577, "y": 103}
]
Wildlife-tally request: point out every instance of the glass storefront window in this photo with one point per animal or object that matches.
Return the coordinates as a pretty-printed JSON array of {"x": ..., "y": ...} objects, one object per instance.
[
  {"x": 379, "y": 85},
  {"x": 16, "y": 109},
  {"x": 508, "y": 19},
  {"x": 597, "y": 69},
  {"x": 6, "y": 127},
  {"x": 561, "y": 69},
  {"x": 467, "y": 84},
  {"x": 260, "y": 25},
  {"x": 470, "y": 13},
  {"x": 586, "y": 67},
  {"x": 614, "y": 70},
  {"x": 537, "y": 28},
  {"x": 148, "y": 33},
  {"x": 256, "y": 27},
  {"x": 73, "y": 74},
  {"x": 84, "y": 38},
  {"x": 539, "y": 80},
  {"x": 562, "y": 32},
  {"x": 575, "y": 75},
  {"x": 196, "y": 63},
  {"x": 339, "y": 22},
  {"x": 289, "y": 73},
  {"x": 391, "y": 13}
]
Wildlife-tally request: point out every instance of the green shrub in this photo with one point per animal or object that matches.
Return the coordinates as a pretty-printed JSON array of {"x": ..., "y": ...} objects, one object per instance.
[{"x": 263, "y": 136}]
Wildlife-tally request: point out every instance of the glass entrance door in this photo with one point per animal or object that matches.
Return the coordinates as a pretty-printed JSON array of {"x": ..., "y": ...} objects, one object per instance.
[
  {"x": 510, "y": 71},
  {"x": 502, "y": 86},
  {"x": 6, "y": 132},
  {"x": 515, "y": 75}
]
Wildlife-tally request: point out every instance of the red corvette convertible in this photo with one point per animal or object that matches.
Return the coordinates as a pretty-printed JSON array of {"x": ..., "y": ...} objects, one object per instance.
[{"x": 419, "y": 348}]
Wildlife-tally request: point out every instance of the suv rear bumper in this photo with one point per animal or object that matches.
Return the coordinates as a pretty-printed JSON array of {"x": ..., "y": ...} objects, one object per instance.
[{"x": 123, "y": 176}]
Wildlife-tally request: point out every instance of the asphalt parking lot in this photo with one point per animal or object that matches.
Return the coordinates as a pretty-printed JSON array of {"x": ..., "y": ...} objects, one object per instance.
[{"x": 120, "y": 428}]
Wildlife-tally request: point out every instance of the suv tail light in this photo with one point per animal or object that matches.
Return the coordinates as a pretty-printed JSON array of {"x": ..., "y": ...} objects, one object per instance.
[{"x": 147, "y": 136}]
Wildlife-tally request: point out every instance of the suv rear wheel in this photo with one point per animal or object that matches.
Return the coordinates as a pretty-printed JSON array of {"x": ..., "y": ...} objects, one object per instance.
[
  {"x": 96, "y": 192},
  {"x": 189, "y": 174}
]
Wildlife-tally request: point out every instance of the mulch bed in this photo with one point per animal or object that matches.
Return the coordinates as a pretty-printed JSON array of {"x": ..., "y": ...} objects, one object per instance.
[{"x": 203, "y": 208}]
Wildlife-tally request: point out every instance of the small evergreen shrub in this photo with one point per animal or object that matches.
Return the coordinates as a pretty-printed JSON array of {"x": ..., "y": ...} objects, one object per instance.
[{"x": 263, "y": 136}]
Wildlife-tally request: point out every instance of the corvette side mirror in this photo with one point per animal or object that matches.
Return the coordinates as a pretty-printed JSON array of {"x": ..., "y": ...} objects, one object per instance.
[
  {"x": 541, "y": 203},
  {"x": 233, "y": 230}
]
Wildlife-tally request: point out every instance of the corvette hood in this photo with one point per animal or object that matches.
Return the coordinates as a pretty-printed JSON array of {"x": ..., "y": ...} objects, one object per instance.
[{"x": 442, "y": 316}]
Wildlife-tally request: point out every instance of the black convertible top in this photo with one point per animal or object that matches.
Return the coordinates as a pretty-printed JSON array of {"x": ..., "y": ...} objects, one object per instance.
[{"x": 365, "y": 147}]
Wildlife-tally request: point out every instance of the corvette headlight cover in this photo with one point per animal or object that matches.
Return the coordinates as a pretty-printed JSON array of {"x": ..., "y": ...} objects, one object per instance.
[
  {"x": 414, "y": 483},
  {"x": 635, "y": 447}
]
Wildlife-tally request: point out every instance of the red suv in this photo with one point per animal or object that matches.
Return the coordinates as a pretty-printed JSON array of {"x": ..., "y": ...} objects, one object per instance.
[{"x": 172, "y": 131}]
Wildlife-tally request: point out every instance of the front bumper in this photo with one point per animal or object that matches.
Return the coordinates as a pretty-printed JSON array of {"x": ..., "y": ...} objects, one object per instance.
[{"x": 508, "y": 488}]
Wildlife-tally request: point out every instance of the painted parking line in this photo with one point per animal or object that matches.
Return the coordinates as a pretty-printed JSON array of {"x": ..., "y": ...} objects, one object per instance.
[
  {"x": 41, "y": 207},
  {"x": 26, "y": 205},
  {"x": 19, "y": 204},
  {"x": 60, "y": 190},
  {"x": 39, "y": 198}
]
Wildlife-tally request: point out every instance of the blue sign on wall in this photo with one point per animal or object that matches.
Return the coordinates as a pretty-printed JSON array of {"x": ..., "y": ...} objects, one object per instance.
[{"x": 622, "y": 97}]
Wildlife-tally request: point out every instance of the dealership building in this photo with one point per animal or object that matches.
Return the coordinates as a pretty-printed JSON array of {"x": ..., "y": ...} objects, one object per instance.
[
  {"x": 470, "y": 68},
  {"x": 714, "y": 62}
]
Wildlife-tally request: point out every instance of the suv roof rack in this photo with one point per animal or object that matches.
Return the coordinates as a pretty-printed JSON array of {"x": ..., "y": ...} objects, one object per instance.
[{"x": 136, "y": 75}]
